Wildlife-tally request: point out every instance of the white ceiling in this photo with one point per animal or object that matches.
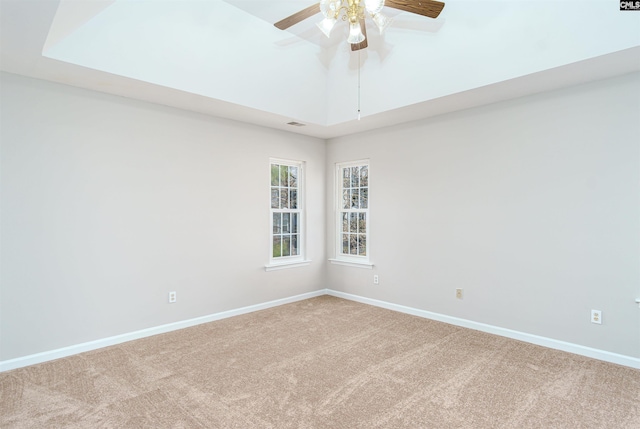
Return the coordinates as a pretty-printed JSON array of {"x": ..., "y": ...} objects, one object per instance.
[{"x": 225, "y": 58}]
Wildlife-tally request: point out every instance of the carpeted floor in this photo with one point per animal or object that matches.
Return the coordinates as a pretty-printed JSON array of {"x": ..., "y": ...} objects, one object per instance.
[{"x": 322, "y": 363}]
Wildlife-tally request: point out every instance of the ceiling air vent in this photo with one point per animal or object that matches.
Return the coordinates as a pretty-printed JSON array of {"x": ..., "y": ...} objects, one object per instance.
[{"x": 295, "y": 124}]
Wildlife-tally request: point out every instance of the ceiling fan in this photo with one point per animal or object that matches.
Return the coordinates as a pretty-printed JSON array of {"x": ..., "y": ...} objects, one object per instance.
[{"x": 354, "y": 11}]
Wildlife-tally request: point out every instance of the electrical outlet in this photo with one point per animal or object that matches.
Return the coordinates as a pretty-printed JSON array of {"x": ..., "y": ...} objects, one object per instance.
[
  {"x": 172, "y": 297},
  {"x": 459, "y": 293},
  {"x": 596, "y": 317},
  {"x": 376, "y": 279}
]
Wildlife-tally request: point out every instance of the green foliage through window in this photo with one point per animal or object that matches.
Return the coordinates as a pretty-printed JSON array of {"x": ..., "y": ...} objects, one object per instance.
[{"x": 285, "y": 209}]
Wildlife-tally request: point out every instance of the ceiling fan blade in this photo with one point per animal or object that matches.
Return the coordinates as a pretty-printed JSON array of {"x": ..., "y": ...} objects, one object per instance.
[
  {"x": 298, "y": 16},
  {"x": 363, "y": 44},
  {"x": 428, "y": 8}
]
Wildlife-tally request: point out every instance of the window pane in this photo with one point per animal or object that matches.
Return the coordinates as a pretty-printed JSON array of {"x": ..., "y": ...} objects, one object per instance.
[
  {"x": 276, "y": 246},
  {"x": 284, "y": 175},
  {"x": 362, "y": 222},
  {"x": 362, "y": 244},
  {"x": 346, "y": 199},
  {"x": 364, "y": 175},
  {"x": 353, "y": 244},
  {"x": 355, "y": 177},
  {"x": 355, "y": 196},
  {"x": 275, "y": 175},
  {"x": 364, "y": 198},
  {"x": 277, "y": 225},
  {"x": 346, "y": 177},
  {"x": 287, "y": 197},
  {"x": 353, "y": 205},
  {"x": 284, "y": 198},
  {"x": 293, "y": 177}
]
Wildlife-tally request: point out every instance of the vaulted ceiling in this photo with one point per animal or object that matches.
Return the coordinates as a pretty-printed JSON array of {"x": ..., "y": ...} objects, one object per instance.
[{"x": 225, "y": 58}]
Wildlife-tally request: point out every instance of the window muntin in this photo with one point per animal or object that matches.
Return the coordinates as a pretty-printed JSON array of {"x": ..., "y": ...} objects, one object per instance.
[
  {"x": 286, "y": 211},
  {"x": 353, "y": 211}
]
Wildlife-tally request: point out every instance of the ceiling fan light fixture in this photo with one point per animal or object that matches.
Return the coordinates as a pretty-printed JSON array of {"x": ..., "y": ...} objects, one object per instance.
[
  {"x": 326, "y": 25},
  {"x": 355, "y": 12},
  {"x": 373, "y": 6},
  {"x": 355, "y": 33},
  {"x": 381, "y": 21}
]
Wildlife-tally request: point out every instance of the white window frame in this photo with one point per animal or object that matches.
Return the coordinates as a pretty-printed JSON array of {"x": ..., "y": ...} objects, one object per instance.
[
  {"x": 281, "y": 262},
  {"x": 361, "y": 261}
]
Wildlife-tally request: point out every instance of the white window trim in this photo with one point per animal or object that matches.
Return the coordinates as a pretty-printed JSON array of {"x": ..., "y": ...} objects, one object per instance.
[
  {"x": 286, "y": 265},
  {"x": 299, "y": 260},
  {"x": 341, "y": 259},
  {"x": 356, "y": 264}
]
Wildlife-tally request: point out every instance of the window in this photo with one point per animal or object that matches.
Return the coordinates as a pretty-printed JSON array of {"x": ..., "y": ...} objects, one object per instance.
[
  {"x": 352, "y": 222},
  {"x": 286, "y": 214}
]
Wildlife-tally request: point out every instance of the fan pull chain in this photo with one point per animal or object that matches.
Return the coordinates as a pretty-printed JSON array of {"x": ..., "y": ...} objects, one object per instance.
[{"x": 359, "y": 64}]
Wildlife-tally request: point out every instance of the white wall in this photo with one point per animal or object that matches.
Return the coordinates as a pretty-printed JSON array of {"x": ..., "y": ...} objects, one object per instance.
[
  {"x": 109, "y": 203},
  {"x": 531, "y": 206}
]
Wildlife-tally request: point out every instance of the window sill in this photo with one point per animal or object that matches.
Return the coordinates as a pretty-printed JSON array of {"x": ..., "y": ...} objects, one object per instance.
[
  {"x": 367, "y": 265},
  {"x": 286, "y": 265}
]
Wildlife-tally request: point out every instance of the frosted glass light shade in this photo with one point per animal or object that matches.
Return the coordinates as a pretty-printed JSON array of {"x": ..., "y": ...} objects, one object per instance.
[
  {"x": 324, "y": 8},
  {"x": 355, "y": 34},
  {"x": 373, "y": 6},
  {"x": 381, "y": 21},
  {"x": 326, "y": 25},
  {"x": 329, "y": 8}
]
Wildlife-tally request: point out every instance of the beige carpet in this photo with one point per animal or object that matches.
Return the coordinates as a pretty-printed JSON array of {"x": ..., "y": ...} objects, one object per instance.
[{"x": 322, "y": 363}]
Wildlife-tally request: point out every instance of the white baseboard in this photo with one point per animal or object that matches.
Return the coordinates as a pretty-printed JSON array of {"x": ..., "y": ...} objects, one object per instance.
[
  {"x": 522, "y": 336},
  {"x": 110, "y": 341},
  {"x": 503, "y": 332}
]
